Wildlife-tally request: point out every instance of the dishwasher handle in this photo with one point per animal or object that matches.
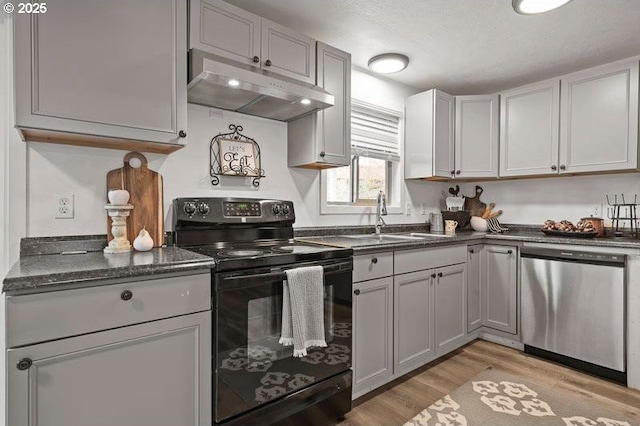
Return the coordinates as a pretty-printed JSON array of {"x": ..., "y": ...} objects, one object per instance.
[{"x": 593, "y": 258}]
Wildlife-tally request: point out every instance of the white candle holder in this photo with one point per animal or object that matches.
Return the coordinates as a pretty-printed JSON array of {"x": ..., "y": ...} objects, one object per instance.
[{"x": 118, "y": 214}]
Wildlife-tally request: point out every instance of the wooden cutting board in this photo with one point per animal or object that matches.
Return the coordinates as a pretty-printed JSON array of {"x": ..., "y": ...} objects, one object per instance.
[
  {"x": 473, "y": 204},
  {"x": 145, "y": 189}
]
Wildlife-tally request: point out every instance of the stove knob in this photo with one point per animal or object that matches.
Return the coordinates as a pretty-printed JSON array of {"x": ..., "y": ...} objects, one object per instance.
[
  {"x": 285, "y": 209},
  {"x": 275, "y": 209},
  {"x": 203, "y": 208},
  {"x": 190, "y": 208}
]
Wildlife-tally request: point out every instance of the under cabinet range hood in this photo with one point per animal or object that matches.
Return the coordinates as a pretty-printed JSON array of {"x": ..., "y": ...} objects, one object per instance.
[{"x": 222, "y": 83}]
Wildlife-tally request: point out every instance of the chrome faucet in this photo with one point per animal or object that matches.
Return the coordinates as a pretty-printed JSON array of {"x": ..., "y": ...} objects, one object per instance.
[{"x": 381, "y": 210}]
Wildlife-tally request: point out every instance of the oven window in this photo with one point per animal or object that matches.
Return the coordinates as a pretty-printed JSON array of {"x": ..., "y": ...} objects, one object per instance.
[{"x": 252, "y": 368}]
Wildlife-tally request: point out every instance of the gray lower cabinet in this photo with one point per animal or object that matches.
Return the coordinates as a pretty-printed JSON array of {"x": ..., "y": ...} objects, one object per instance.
[
  {"x": 450, "y": 295},
  {"x": 149, "y": 374},
  {"x": 110, "y": 74},
  {"x": 475, "y": 272},
  {"x": 429, "y": 315},
  {"x": 413, "y": 320},
  {"x": 373, "y": 334},
  {"x": 500, "y": 292},
  {"x": 123, "y": 352},
  {"x": 492, "y": 288}
]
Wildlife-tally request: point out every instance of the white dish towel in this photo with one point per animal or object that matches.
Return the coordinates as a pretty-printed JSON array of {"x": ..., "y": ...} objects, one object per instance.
[{"x": 303, "y": 309}]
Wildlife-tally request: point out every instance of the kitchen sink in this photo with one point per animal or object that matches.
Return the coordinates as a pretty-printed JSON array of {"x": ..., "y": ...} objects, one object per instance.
[
  {"x": 385, "y": 237},
  {"x": 427, "y": 235}
]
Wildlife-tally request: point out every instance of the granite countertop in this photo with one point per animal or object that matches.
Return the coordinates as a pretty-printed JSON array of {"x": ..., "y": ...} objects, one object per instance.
[
  {"x": 372, "y": 243},
  {"x": 57, "y": 271}
]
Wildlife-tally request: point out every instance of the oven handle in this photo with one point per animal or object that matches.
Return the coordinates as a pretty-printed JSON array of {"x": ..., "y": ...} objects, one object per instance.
[{"x": 279, "y": 274}]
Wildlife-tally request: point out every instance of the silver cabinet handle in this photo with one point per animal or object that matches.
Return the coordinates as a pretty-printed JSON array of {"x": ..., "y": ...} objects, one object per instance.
[
  {"x": 554, "y": 167},
  {"x": 501, "y": 251},
  {"x": 563, "y": 167}
]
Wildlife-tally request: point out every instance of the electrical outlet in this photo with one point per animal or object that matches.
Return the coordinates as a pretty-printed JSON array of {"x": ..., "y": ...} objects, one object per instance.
[
  {"x": 407, "y": 209},
  {"x": 63, "y": 206}
]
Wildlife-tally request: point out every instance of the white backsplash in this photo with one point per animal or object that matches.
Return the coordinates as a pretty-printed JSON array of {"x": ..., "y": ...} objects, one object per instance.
[{"x": 532, "y": 201}]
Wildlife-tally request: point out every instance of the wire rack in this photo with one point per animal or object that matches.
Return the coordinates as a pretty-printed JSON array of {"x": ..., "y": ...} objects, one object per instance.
[{"x": 621, "y": 212}]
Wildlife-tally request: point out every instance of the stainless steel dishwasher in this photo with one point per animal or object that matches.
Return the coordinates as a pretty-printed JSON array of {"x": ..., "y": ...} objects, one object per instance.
[{"x": 573, "y": 308}]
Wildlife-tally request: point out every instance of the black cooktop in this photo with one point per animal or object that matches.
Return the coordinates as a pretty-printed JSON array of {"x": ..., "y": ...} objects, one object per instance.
[{"x": 258, "y": 254}]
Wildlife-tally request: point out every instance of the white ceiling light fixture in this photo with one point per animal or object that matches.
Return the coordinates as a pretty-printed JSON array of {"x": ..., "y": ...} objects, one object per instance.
[
  {"x": 533, "y": 7},
  {"x": 233, "y": 83},
  {"x": 388, "y": 63}
]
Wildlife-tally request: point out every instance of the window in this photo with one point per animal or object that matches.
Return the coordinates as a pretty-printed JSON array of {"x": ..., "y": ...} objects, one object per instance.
[{"x": 375, "y": 161}]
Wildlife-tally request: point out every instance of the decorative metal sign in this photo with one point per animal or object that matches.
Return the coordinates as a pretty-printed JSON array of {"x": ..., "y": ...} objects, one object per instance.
[
  {"x": 237, "y": 158},
  {"x": 234, "y": 154}
]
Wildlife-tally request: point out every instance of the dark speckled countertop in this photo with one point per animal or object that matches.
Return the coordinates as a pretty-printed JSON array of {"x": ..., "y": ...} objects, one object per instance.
[
  {"x": 517, "y": 235},
  {"x": 40, "y": 269},
  {"x": 57, "y": 271}
]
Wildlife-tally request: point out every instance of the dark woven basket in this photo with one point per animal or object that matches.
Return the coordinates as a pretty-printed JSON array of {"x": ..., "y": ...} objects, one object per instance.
[{"x": 463, "y": 217}]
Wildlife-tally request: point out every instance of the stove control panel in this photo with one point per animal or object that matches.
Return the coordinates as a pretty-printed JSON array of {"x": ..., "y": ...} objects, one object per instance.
[
  {"x": 237, "y": 208},
  {"x": 233, "y": 210}
]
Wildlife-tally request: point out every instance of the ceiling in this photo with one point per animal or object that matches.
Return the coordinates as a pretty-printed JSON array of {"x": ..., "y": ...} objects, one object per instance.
[{"x": 466, "y": 46}]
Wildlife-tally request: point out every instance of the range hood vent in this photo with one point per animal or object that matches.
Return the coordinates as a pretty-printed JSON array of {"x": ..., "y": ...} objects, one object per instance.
[{"x": 255, "y": 91}]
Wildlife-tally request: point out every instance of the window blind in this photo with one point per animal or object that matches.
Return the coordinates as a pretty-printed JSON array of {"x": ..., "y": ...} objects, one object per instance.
[{"x": 374, "y": 133}]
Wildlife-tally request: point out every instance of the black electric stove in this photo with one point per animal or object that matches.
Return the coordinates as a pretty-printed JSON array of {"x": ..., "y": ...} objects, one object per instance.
[
  {"x": 244, "y": 233},
  {"x": 255, "y": 379}
]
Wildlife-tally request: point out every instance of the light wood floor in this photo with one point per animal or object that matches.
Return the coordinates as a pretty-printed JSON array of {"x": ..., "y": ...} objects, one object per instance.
[{"x": 398, "y": 401}]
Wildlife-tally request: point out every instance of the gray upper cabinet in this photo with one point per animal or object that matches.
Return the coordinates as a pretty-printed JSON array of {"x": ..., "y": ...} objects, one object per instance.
[
  {"x": 373, "y": 334},
  {"x": 149, "y": 374},
  {"x": 226, "y": 30},
  {"x": 476, "y": 136},
  {"x": 447, "y": 137},
  {"x": 429, "y": 136},
  {"x": 475, "y": 273},
  {"x": 500, "y": 288},
  {"x": 529, "y": 135},
  {"x": 323, "y": 139},
  {"x": 599, "y": 119},
  {"x": 110, "y": 74},
  {"x": 413, "y": 323}
]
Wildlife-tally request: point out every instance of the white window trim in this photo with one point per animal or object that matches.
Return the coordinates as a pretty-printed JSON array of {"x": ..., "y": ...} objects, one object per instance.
[{"x": 397, "y": 180}]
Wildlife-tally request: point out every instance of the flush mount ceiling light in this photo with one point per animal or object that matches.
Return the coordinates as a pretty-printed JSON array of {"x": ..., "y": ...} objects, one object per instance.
[
  {"x": 533, "y": 7},
  {"x": 233, "y": 83},
  {"x": 388, "y": 63}
]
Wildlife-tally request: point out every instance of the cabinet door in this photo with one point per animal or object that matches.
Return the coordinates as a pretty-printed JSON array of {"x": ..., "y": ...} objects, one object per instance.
[
  {"x": 323, "y": 139},
  {"x": 334, "y": 75},
  {"x": 157, "y": 373},
  {"x": 476, "y": 136},
  {"x": 475, "y": 281},
  {"x": 599, "y": 119},
  {"x": 450, "y": 308},
  {"x": 529, "y": 121},
  {"x": 226, "y": 30},
  {"x": 373, "y": 338},
  {"x": 113, "y": 69},
  {"x": 443, "y": 142},
  {"x": 413, "y": 326},
  {"x": 288, "y": 53},
  {"x": 501, "y": 285}
]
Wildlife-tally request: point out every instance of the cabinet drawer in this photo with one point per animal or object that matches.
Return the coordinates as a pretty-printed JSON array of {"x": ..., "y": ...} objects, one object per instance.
[
  {"x": 38, "y": 317},
  {"x": 371, "y": 266},
  {"x": 420, "y": 259}
]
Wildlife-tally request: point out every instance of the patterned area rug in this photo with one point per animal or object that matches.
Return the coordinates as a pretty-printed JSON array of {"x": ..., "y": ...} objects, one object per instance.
[{"x": 495, "y": 398}]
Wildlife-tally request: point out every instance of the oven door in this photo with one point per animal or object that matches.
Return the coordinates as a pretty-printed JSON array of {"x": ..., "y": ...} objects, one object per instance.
[{"x": 251, "y": 367}]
